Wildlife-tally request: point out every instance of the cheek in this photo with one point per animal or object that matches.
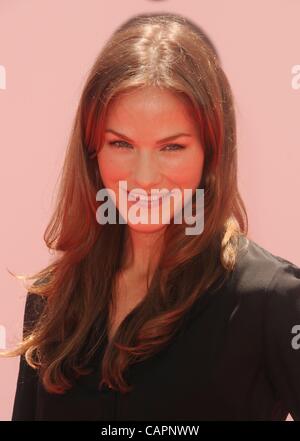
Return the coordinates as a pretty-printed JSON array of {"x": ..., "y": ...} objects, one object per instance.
[
  {"x": 112, "y": 167},
  {"x": 187, "y": 172}
]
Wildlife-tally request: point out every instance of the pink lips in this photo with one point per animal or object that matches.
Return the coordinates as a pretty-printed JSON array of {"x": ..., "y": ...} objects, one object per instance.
[{"x": 154, "y": 199}]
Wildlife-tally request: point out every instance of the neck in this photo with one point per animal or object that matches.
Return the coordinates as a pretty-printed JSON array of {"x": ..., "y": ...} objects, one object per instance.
[{"x": 142, "y": 251}]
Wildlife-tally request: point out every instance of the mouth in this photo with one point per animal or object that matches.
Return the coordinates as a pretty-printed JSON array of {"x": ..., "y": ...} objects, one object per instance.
[{"x": 153, "y": 200}]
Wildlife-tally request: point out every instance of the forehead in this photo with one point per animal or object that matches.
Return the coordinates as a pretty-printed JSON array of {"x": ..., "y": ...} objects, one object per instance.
[{"x": 150, "y": 106}]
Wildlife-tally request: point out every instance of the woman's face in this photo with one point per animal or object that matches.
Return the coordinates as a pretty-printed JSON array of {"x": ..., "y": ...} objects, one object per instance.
[{"x": 135, "y": 150}]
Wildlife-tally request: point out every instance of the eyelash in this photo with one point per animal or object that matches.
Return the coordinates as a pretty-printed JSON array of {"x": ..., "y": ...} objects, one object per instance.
[{"x": 113, "y": 143}]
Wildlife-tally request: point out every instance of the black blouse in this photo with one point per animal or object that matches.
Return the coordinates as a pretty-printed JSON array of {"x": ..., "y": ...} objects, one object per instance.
[{"x": 237, "y": 357}]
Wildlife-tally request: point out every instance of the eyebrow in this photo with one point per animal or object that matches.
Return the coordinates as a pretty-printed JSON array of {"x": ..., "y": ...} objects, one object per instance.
[{"x": 168, "y": 138}]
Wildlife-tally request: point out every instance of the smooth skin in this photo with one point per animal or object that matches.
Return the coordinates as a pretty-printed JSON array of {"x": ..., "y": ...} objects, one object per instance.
[{"x": 135, "y": 153}]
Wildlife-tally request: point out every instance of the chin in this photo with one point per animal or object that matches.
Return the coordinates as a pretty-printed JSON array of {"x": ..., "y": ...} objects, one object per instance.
[{"x": 146, "y": 228}]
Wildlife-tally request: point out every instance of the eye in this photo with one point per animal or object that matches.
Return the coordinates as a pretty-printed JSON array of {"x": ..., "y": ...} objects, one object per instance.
[
  {"x": 123, "y": 144},
  {"x": 116, "y": 144},
  {"x": 176, "y": 147}
]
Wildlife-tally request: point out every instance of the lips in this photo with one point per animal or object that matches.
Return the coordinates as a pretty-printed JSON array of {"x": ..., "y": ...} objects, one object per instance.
[{"x": 150, "y": 200}]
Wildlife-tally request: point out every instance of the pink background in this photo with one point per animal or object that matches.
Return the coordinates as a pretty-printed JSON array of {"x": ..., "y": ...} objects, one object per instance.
[{"x": 46, "y": 49}]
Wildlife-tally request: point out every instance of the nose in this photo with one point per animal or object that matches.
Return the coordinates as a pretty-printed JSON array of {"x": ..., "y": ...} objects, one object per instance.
[{"x": 147, "y": 173}]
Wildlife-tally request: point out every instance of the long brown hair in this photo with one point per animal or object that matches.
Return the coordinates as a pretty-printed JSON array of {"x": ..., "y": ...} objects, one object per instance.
[{"x": 167, "y": 51}]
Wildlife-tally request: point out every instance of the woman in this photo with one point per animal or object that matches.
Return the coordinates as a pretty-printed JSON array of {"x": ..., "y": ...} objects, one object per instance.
[{"x": 142, "y": 321}]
